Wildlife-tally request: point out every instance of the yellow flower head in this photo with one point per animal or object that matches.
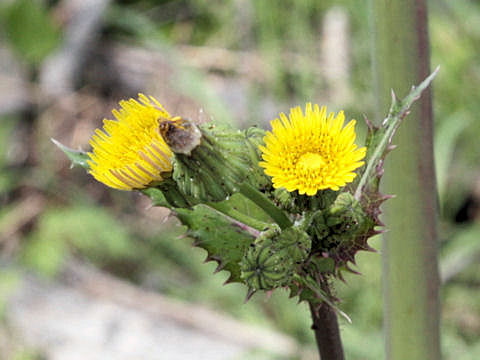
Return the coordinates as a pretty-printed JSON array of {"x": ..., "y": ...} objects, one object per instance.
[
  {"x": 130, "y": 152},
  {"x": 311, "y": 152}
]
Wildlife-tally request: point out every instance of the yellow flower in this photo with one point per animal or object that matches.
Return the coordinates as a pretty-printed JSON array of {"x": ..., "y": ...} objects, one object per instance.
[
  {"x": 311, "y": 152},
  {"x": 130, "y": 153}
]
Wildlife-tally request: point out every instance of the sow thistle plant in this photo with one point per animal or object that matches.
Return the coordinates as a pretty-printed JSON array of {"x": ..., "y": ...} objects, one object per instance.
[{"x": 287, "y": 208}]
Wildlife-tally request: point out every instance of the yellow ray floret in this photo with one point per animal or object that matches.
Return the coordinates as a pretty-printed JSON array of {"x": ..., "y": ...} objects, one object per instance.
[
  {"x": 130, "y": 153},
  {"x": 311, "y": 152}
]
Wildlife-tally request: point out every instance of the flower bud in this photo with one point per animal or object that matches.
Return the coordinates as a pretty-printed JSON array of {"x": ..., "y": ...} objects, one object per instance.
[
  {"x": 210, "y": 161},
  {"x": 274, "y": 258}
]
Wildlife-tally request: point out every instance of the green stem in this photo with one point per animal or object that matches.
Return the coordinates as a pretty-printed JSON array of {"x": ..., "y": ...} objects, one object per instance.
[
  {"x": 266, "y": 205},
  {"x": 397, "y": 112},
  {"x": 401, "y": 59},
  {"x": 237, "y": 215}
]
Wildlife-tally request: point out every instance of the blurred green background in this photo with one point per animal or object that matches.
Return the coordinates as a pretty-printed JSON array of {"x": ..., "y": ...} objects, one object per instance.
[{"x": 65, "y": 64}]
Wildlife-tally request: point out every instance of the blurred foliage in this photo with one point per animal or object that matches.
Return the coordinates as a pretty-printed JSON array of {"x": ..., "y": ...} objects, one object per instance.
[
  {"x": 30, "y": 29},
  {"x": 87, "y": 221},
  {"x": 90, "y": 230},
  {"x": 7, "y": 178},
  {"x": 8, "y": 282}
]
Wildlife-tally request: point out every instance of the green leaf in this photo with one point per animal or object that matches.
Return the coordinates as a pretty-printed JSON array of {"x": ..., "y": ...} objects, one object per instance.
[
  {"x": 248, "y": 207},
  {"x": 30, "y": 29},
  {"x": 244, "y": 210},
  {"x": 166, "y": 193},
  {"x": 379, "y": 140},
  {"x": 77, "y": 157},
  {"x": 224, "y": 238},
  {"x": 157, "y": 197}
]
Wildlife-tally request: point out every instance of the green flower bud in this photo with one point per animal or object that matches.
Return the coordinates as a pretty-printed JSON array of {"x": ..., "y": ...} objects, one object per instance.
[
  {"x": 210, "y": 162},
  {"x": 298, "y": 204},
  {"x": 338, "y": 232},
  {"x": 346, "y": 215},
  {"x": 285, "y": 200},
  {"x": 274, "y": 257},
  {"x": 318, "y": 228},
  {"x": 253, "y": 139}
]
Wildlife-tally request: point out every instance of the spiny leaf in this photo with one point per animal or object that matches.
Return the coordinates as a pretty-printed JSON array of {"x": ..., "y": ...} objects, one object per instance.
[
  {"x": 77, "y": 157},
  {"x": 379, "y": 140},
  {"x": 224, "y": 238},
  {"x": 379, "y": 144}
]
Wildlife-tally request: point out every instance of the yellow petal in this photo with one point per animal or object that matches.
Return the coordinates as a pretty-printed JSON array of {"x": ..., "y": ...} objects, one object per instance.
[{"x": 311, "y": 152}]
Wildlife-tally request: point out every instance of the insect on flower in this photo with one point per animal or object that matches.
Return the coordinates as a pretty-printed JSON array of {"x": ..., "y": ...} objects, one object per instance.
[{"x": 180, "y": 134}]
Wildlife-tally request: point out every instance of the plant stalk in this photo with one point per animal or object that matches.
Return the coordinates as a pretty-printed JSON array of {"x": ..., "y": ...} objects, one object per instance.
[
  {"x": 327, "y": 332},
  {"x": 410, "y": 277},
  {"x": 266, "y": 205}
]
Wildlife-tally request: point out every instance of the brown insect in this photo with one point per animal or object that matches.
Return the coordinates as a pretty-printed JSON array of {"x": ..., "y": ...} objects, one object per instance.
[{"x": 180, "y": 134}]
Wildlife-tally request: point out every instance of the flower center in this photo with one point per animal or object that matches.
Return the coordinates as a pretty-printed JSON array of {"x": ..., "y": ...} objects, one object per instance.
[{"x": 310, "y": 162}]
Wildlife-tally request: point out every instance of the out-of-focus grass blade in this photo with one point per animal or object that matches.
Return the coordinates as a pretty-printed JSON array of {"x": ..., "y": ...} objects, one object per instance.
[
  {"x": 460, "y": 252},
  {"x": 446, "y": 137}
]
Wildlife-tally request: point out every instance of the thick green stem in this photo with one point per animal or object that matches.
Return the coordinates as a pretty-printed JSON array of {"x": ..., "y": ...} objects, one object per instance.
[
  {"x": 401, "y": 59},
  {"x": 266, "y": 205}
]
